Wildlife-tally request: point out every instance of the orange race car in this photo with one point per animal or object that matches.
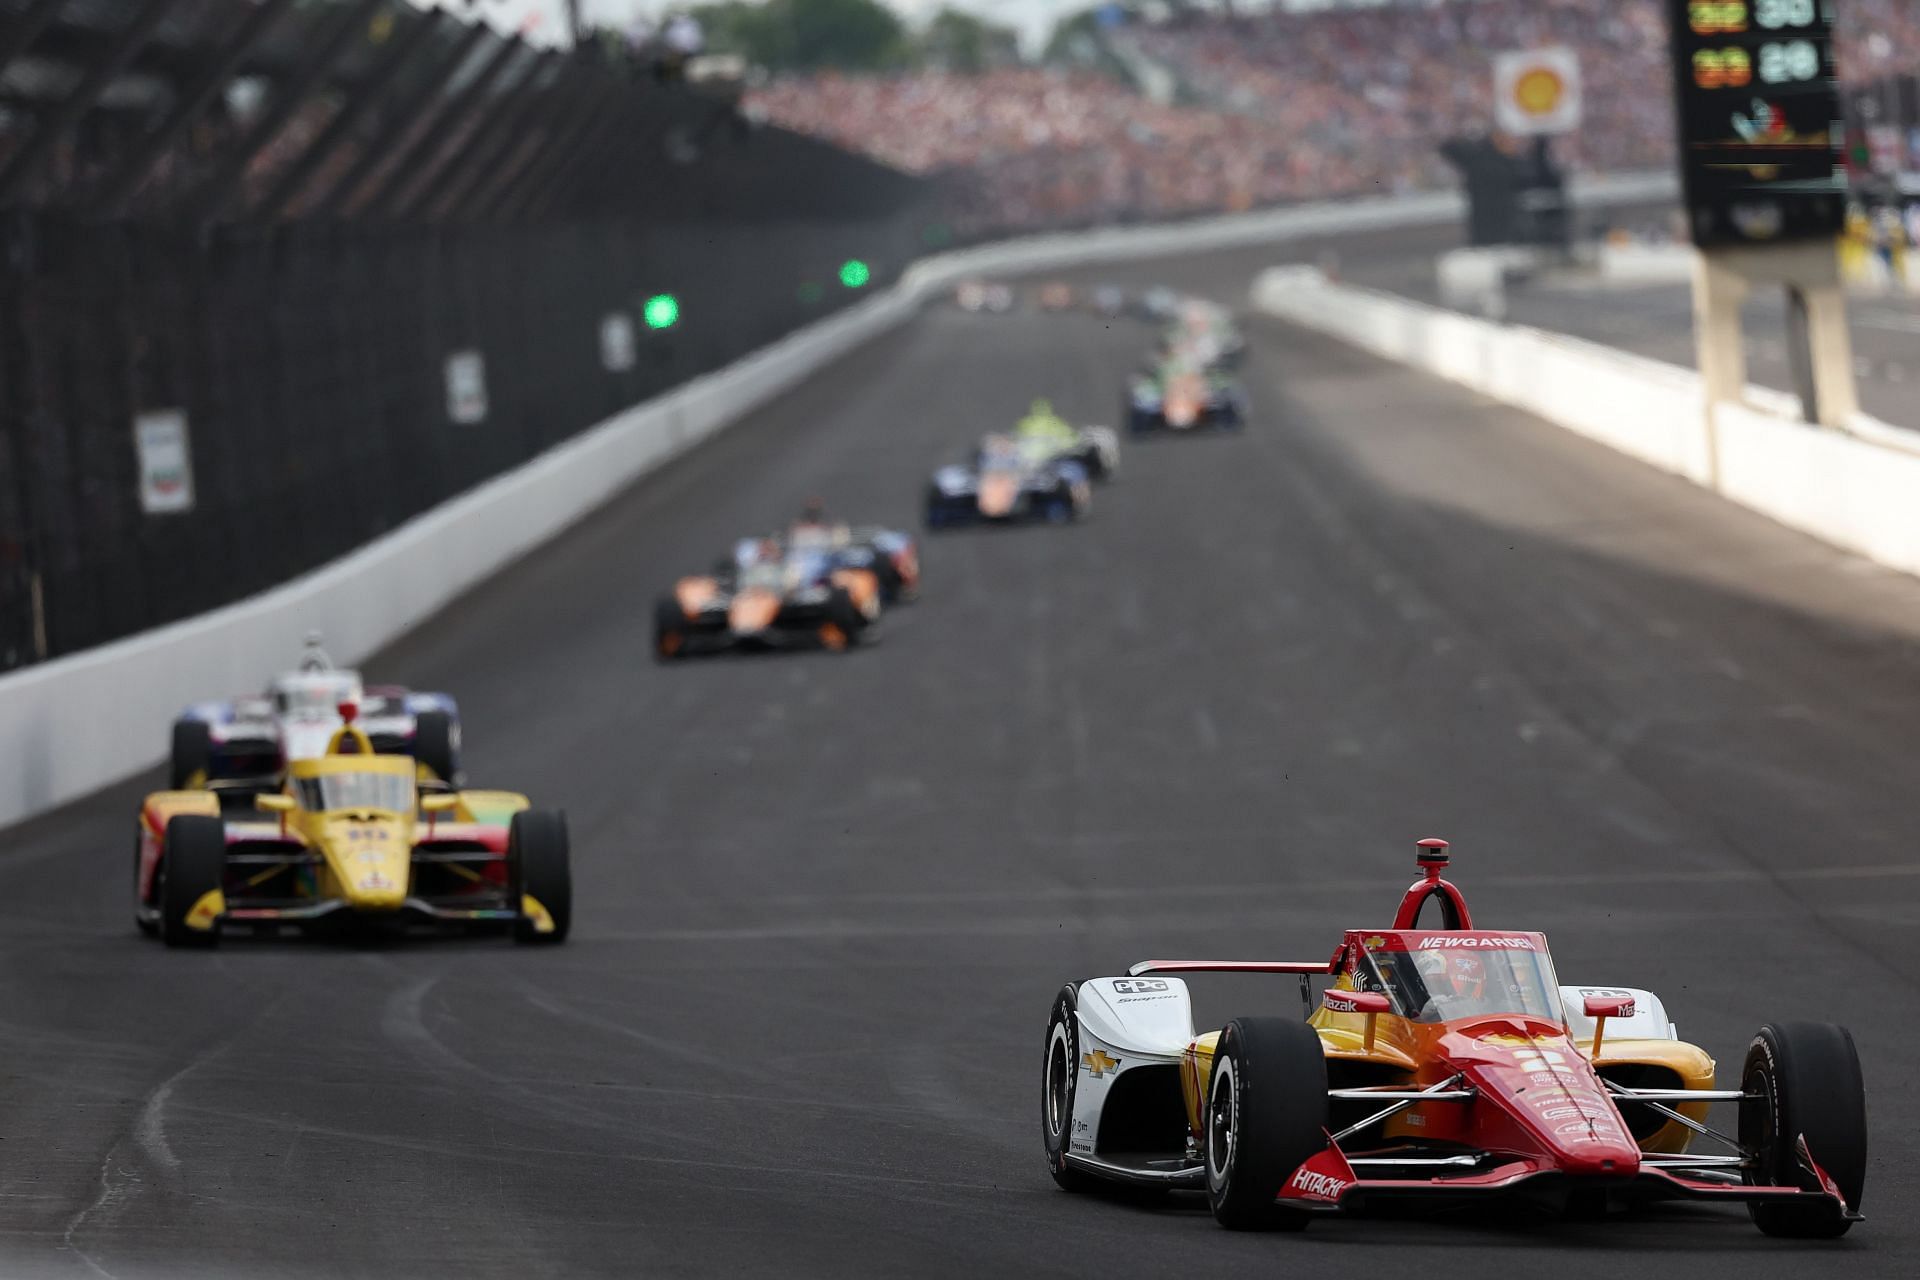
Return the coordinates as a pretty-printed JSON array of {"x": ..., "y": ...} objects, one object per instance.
[{"x": 773, "y": 593}]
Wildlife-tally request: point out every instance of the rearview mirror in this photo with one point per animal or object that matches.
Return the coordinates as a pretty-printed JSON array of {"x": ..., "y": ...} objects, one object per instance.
[
  {"x": 274, "y": 803},
  {"x": 1371, "y": 1003},
  {"x": 1609, "y": 1006},
  {"x": 443, "y": 803},
  {"x": 1356, "y": 1002},
  {"x": 1600, "y": 1008}
]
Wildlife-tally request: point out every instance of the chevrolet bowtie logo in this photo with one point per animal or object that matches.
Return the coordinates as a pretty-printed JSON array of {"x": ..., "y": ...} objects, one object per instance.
[{"x": 1098, "y": 1063}]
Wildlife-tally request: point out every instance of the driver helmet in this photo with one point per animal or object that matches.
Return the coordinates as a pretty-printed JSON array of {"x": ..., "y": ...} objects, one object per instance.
[
  {"x": 1466, "y": 975},
  {"x": 313, "y": 653}
]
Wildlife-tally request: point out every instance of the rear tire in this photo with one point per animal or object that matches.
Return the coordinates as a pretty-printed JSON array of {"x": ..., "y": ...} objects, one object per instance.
[
  {"x": 192, "y": 753},
  {"x": 1806, "y": 1076},
  {"x": 844, "y": 625},
  {"x": 1266, "y": 1115},
  {"x": 192, "y": 865},
  {"x": 1061, "y": 507},
  {"x": 1059, "y": 1080},
  {"x": 669, "y": 630},
  {"x": 540, "y": 865},
  {"x": 436, "y": 745}
]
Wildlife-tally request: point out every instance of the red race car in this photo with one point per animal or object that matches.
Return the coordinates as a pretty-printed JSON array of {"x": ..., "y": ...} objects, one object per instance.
[{"x": 1443, "y": 1063}]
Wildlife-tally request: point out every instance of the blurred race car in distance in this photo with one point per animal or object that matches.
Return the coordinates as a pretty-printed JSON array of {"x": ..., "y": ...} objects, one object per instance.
[
  {"x": 891, "y": 555},
  {"x": 1159, "y": 303},
  {"x": 248, "y": 741},
  {"x": 350, "y": 836},
  {"x": 1108, "y": 300},
  {"x": 1009, "y": 481},
  {"x": 1181, "y": 396},
  {"x": 1042, "y": 433},
  {"x": 1443, "y": 1064},
  {"x": 1203, "y": 332},
  {"x": 983, "y": 295},
  {"x": 771, "y": 595}
]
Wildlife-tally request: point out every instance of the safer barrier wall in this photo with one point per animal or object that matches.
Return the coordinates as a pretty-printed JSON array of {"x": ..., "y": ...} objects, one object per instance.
[
  {"x": 74, "y": 724},
  {"x": 1853, "y": 489}
]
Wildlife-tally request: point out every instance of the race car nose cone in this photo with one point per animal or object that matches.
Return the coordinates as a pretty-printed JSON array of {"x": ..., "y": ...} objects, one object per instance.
[
  {"x": 998, "y": 493},
  {"x": 1598, "y": 1154},
  {"x": 752, "y": 612}
]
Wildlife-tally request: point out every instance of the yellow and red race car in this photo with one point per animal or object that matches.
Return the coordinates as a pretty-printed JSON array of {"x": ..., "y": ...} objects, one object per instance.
[
  {"x": 1446, "y": 1064},
  {"x": 349, "y": 837}
]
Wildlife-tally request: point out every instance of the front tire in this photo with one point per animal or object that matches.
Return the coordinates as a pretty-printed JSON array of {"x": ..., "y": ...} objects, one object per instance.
[
  {"x": 192, "y": 865},
  {"x": 669, "y": 630},
  {"x": 538, "y": 856},
  {"x": 844, "y": 625},
  {"x": 1266, "y": 1115},
  {"x": 1804, "y": 1079},
  {"x": 191, "y": 756},
  {"x": 436, "y": 745},
  {"x": 1059, "y": 1080},
  {"x": 936, "y": 509}
]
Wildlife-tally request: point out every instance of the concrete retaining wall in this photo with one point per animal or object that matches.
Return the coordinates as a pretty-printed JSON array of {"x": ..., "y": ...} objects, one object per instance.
[{"x": 1853, "y": 489}]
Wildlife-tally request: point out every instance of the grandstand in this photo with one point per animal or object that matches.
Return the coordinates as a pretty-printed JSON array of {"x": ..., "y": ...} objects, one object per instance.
[{"x": 1297, "y": 102}]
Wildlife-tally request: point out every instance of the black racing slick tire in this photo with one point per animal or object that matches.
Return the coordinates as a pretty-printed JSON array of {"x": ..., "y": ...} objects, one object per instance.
[
  {"x": 436, "y": 745},
  {"x": 669, "y": 630},
  {"x": 192, "y": 754},
  {"x": 936, "y": 515},
  {"x": 1265, "y": 1115},
  {"x": 1802, "y": 1079},
  {"x": 1059, "y": 1081},
  {"x": 844, "y": 626},
  {"x": 192, "y": 865},
  {"x": 539, "y": 866}
]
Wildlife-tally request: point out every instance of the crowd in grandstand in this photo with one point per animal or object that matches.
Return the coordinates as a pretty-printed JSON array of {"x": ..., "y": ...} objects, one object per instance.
[
  {"x": 1040, "y": 147},
  {"x": 1283, "y": 106}
]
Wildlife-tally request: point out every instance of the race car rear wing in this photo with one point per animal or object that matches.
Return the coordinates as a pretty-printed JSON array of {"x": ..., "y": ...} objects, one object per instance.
[{"x": 1231, "y": 966}]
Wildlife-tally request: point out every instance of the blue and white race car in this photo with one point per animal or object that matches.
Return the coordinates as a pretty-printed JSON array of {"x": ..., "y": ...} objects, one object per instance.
[
  {"x": 245, "y": 743},
  {"x": 1010, "y": 481}
]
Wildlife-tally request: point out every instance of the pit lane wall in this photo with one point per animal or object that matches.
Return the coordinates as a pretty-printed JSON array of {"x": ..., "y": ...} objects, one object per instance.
[
  {"x": 1853, "y": 489},
  {"x": 75, "y": 724}
]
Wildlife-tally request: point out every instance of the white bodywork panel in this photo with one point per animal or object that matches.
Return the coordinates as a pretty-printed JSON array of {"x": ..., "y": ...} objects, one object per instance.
[
  {"x": 1151, "y": 1017},
  {"x": 1106, "y": 442},
  {"x": 1649, "y": 1020},
  {"x": 1124, "y": 1023}
]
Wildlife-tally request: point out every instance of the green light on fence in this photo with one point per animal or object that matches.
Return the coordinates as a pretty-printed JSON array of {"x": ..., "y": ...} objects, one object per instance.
[
  {"x": 854, "y": 273},
  {"x": 662, "y": 311}
]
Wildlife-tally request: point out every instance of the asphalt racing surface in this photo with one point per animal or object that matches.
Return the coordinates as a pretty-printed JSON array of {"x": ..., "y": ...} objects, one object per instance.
[{"x": 825, "y": 901}]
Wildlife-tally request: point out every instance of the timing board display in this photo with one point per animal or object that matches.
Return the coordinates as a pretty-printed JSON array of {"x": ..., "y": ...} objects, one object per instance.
[{"x": 1760, "y": 121}]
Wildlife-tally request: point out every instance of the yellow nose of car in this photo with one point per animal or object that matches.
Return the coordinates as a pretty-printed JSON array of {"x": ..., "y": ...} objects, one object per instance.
[{"x": 371, "y": 863}]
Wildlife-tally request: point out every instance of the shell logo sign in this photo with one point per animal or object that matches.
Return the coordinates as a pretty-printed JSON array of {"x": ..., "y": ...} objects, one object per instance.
[{"x": 1537, "y": 91}]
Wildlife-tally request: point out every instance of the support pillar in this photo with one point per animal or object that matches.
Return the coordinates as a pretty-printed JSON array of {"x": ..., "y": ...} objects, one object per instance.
[{"x": 1809, "y": 272}]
